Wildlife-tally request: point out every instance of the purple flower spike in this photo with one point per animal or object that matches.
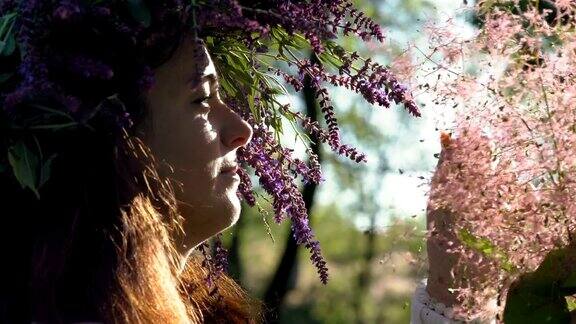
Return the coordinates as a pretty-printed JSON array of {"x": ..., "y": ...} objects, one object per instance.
[
  {"x": 220, "y": 256},
  {"x": 108, "y": 33},
  {"x": 90, "y": 68},
  {"x": 275, "y": 179},
  {"x": 245, "y": 188},
  {"x": 66, "y": 10}
]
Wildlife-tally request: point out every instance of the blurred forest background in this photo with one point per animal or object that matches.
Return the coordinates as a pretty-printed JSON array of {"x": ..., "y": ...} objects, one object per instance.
[{"x": 369, "y": 218}]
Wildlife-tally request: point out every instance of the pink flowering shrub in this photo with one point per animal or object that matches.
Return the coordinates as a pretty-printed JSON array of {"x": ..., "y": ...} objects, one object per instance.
[{"x": 508, "y": 174}]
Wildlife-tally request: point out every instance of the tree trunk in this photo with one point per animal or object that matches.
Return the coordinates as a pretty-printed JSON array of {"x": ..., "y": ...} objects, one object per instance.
[{"x": 364, "y": 277}]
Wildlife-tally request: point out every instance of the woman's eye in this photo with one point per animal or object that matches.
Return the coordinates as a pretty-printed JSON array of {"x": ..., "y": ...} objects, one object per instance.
[{"x": 202, "y": 100}]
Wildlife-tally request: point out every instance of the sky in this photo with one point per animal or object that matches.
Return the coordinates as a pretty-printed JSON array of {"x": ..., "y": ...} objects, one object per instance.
[
  {"x": 411, "y": 143},
  {"x": 402, "y": 192}
]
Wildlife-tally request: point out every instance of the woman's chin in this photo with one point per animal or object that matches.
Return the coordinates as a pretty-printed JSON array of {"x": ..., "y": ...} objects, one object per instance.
[
  {"x": 210, "y": 216},
  {"x": 228, "y": 215},
  {"x": 224, "y": 216}
]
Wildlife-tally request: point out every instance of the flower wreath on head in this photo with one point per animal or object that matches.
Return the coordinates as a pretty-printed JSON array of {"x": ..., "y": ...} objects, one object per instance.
[{"x": 246, "y": 40}]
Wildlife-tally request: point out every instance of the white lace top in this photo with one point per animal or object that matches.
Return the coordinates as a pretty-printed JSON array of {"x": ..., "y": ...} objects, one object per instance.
[{"x": 425, "y": 311}]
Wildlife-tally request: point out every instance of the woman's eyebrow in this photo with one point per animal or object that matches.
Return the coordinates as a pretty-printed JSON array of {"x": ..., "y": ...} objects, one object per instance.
[{"x": 192, "y": 85}]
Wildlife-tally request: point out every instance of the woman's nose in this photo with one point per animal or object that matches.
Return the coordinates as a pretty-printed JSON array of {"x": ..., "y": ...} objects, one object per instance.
[{"x": 236, "y": 131}]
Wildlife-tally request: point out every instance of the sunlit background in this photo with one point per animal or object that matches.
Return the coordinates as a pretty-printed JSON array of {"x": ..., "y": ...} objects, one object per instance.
[{"x": 369, "y": 217}]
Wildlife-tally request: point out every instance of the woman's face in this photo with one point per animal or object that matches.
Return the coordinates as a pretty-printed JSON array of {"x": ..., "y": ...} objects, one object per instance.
[{"x": 192, "y": 130}]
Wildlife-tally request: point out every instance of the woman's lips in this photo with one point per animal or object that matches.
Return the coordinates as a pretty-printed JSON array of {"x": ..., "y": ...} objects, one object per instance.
[
  {"x": 229, "y": 170},
  {"x": 230, "y": 173}
]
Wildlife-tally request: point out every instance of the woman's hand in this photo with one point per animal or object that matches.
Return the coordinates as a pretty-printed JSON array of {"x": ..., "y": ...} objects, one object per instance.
[
  {"x": 446, "y": 273},
  {"x": 440, "y": 261},
  {"x": 446, "y": 276}
]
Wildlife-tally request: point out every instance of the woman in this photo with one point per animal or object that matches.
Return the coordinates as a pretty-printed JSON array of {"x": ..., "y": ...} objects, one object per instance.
[
  {"x": 109, "y": 240},
  {"x": 121, "y": 157},
  {"x": 435, "y": 299}
]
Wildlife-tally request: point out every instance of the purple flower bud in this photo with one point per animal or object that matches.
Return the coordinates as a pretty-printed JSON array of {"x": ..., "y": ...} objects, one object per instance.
[
  {"x": 91, "y": 68},
  {"x": 245, "y": 187},
  {"x": 66, "y": 10}
]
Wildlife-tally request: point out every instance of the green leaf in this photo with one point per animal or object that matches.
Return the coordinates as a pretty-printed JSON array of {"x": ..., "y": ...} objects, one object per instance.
[
  {"x": 5, "y": 76},
  {"x": 45, "y": 171},
  {"x": 7, "y": 38},
  {"x": 6, "y": 21},
  {"x": 485, "y": 247},
  {"x": 8, "y": 46},
  {"x": 140, "y": 12},
  {"x": 524, "y": 306},
  {"x": 538, "y": 297},
  {"x": 571, "y": 303},
  {"x": 24, "y": 164},
  {"x": 570, "y": 282},
  {"x": 295, "y": 40}
]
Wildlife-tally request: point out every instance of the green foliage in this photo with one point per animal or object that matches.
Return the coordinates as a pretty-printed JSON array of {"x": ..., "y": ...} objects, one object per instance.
[
  {"x": 5, "y": 76},
  {"x": 516, "y": 7},
  {"x": 539, "y": 297},
  {"x": 485, "y": 247},
  {"x": 140, "y": 12},
  {"x": 28, "y": 166},
  {"x": 571, "y": 303},
  {"x": 7, "y": 38},
  {"x": 343, "y": 244},
  {"x": 24, "y": 164},
  {"x": 242, "y": 80},
  {"x": 528, "y": 307},
  {"x": 569, "y": 285},
  {"x": 51, "y": 119},
  {"x": 247, "y": 75}
]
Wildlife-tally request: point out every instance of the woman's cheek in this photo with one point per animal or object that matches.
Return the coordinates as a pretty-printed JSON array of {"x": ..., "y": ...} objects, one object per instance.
[{"x": 200, "y": 146}]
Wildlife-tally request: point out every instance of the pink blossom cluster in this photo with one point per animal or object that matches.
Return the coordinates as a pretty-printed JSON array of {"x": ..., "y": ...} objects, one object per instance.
[{"x": 508, "y": 172}]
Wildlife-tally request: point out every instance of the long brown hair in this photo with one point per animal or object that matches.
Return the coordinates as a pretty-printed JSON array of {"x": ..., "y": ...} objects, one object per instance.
[{"x": 98, "y": 243}]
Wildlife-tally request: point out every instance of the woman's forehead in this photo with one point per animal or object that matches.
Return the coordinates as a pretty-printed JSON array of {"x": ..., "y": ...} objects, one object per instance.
[
  {"x": 192, "y": 63},
  {"x": 204, "y": 67}
]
